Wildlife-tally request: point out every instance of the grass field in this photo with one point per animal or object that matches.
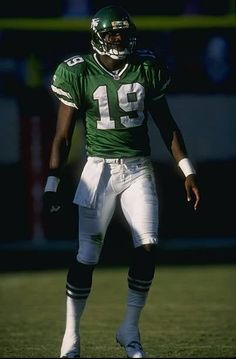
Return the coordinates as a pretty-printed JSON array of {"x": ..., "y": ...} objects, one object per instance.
[{"x": 191, "y": 312}]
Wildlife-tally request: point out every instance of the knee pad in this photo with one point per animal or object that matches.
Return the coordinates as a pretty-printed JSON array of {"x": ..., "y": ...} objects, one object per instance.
[
  {"x": 89, "y": 251},
  {"x": 143, "y": 262}
]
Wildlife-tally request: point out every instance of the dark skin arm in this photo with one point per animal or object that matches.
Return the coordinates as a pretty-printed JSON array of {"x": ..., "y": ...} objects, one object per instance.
[
  {"x": 174, "y": 142},
  {"x": 62, "y": 139}
]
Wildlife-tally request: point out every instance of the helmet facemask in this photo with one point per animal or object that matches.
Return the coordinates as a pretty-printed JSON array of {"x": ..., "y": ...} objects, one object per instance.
[{"x": 117, "y": 44}]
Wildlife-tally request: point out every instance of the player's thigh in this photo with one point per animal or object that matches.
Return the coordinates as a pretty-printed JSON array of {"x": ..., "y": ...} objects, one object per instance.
[
  {"x": 94, "y": 221},
  {"x": 140, "y": 206}
]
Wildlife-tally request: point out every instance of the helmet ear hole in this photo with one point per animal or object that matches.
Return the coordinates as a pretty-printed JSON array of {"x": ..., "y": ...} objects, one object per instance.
[{"x": 112, "y": 19}]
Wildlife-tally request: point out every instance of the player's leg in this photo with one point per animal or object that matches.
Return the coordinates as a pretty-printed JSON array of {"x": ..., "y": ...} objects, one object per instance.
[
  {"x": 140, "y": 206},
  {"x": 79, "y": 282},
  {"x": 93, "y": 223},
  {"x": 140, "y": 276}
]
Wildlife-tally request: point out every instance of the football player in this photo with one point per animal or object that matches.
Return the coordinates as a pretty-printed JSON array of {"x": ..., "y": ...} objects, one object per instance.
[{"x": 116, "y": 88}]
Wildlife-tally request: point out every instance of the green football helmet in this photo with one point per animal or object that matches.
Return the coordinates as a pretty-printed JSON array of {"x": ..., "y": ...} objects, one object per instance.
[{"x": 106, "y": 24}]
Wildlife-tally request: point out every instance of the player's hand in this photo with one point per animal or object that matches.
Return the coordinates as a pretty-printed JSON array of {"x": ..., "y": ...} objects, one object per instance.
[
  {"x": 192, "y": 190},
  {"x": 51, "y": 203},
  {"x": 52, "y": 214}
]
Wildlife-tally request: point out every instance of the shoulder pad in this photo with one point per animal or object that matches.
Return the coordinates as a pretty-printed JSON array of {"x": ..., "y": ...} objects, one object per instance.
[
  {"x": 151, "y": 57},
  {"x": 74, "y": 60},
  {"x": 75, "y": 64}
]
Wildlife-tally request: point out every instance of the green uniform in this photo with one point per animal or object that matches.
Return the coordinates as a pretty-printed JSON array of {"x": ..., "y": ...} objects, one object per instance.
[{"x": 114, "y": 105}]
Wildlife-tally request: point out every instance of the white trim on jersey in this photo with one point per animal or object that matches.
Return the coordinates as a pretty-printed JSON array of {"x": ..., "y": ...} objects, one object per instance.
[
  {"x": 60, "y": 92},
  {"x": 71, "y": 104}
]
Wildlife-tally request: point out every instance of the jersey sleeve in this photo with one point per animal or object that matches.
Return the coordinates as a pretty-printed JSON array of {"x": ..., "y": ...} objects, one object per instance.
[
  {"x": 160, "y": 80},
  {"x": 64, "y": 86}
]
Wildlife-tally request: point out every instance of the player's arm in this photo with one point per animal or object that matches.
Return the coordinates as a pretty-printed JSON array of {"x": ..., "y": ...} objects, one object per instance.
[
  {"x": 61, "y": 145},
  {"x": 174, "y": 141},
  {"x": 169, "y": 130},
  {"x": 62, "y": 140}
]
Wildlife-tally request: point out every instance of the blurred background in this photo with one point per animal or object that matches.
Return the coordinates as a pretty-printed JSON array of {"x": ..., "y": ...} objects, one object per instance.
[{"x": 197, "y": 40}]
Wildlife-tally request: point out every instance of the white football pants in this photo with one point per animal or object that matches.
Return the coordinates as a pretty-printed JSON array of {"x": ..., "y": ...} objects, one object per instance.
[{"x": 102, "y": 183}]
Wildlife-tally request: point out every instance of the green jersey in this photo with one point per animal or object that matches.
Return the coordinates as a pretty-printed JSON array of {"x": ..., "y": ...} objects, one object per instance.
[{"x": 114, "y": 104}]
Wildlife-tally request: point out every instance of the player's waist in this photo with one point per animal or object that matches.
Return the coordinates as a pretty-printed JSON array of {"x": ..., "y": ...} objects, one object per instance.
[{"x": 124, "y": 160}]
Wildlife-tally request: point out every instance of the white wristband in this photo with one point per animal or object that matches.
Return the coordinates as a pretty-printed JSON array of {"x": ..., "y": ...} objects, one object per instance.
[
  {"x": 186, "y": 166},
  {"x": 51, "y": 184}
]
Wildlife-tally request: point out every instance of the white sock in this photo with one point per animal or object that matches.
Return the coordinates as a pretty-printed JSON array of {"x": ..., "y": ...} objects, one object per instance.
[
  {"x": 135, "y": 303},
  {"x": 74, "y": 311},
  {"x": 132, "y": 316}
]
